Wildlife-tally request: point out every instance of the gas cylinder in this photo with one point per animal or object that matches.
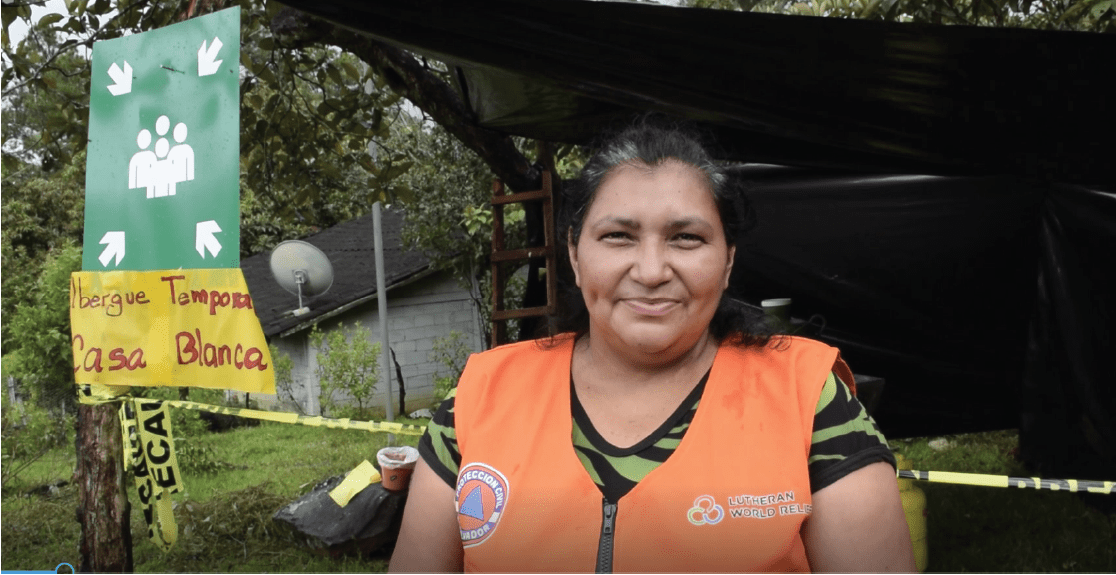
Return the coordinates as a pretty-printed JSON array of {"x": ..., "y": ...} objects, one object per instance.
[{"x": 914, "y": 506}]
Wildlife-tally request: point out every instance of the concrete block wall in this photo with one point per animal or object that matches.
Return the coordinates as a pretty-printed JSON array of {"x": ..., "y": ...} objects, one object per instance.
[{"x": 418, "y": 314}]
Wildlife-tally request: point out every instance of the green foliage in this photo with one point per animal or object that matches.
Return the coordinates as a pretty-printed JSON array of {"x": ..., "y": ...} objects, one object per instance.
[
  {"x": 39, "y": 353},
  {"x": 450, "y": 219},
  {"x": 283, "y": 366},
  {"x": 307, "y": 116},
  {"x": 348, "y": 367},
  {"x": 29, "y": 432},
  {"x": 185, "y": 423},
  {"x": 42, "y": 114},
  {"x": 452, "y": 351},
  {"x": 1078, "y": 15},
  {"x": 42, "y": 214},
  {"x": 195, "y": 457}
]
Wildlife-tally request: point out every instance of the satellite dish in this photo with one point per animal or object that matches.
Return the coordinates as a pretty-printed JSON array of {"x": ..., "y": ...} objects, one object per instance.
[{"x": 301, "y": 269}]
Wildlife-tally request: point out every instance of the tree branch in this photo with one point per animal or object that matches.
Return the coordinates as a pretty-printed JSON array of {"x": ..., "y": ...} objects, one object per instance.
[
  {"x": 408, "y": 77},
  {"x": 70, "y": 44}
]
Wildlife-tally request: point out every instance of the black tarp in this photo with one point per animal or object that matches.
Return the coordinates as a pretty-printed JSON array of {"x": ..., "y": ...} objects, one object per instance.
[
  {"x": 924, "y": 280},
  {"x": 945, "y": 200}
]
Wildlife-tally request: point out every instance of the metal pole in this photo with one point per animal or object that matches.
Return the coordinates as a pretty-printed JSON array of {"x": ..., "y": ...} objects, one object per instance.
[{"x": 381, "y": 299}]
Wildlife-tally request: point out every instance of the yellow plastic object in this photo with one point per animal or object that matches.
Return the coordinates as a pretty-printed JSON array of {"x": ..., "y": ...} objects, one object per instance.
[
  {"x": 914, "y": 506},
  {"x": 363, "y": 476}
]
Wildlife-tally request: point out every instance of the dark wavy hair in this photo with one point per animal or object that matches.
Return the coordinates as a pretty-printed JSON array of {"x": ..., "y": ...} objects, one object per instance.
[{"x": 651, "y": 141}]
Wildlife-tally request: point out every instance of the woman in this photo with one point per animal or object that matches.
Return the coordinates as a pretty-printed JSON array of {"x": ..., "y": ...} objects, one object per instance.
[{"x": 663, "y": 434}]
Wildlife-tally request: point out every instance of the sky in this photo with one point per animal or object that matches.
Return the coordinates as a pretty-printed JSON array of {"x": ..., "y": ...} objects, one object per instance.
[{"x": 18, "y": 29}]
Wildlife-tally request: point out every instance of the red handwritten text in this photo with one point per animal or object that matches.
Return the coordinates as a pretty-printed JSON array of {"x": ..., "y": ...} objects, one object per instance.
[
  {"x": 92, "y": 359},
  {"x": 191, "y": 349},
  {"x": 213, "y": 298},
  {"x": 112, "y": 302}
]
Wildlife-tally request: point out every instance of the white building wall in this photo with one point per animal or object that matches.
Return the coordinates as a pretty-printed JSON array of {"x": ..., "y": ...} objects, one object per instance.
[{"x": 418, "y": 314}]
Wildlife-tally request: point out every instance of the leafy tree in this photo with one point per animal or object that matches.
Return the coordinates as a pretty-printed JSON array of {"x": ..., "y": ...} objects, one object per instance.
[
  {"x": 307, "y": 118},
  {"x": 450, "y": 217},
  {"x": 348, "y": 365},
  {"x": 38, "y": 115},
  {"x": 40, "y": 354},
  {"x": 41, "y": 214},
  {"x": 1079, "y": 15},
  {"x": 283, "y": 366},
  {"x": 452, "y": 352}
]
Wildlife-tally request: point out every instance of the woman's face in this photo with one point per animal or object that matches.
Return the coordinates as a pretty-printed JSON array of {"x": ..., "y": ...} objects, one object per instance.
[{"x": 652, "y": 260}]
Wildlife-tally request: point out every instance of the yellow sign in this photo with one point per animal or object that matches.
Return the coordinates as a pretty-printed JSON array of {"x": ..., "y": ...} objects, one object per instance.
[{"x": 189, "y": 328}]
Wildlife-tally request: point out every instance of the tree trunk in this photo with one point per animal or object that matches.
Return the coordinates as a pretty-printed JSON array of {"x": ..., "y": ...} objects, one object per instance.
[{"x": 103, "y": 508}]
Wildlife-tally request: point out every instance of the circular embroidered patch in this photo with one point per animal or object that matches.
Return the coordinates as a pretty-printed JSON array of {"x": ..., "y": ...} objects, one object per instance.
[{"x": 482, "y": 493}]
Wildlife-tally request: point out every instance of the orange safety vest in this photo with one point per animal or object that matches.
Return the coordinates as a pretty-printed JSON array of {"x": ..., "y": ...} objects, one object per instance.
[{"x": 732, "y": 496}]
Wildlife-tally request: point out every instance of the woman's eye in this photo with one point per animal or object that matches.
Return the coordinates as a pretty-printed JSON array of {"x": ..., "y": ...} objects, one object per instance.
[
  {"x": 615, "y": 236},
  {"x": 689, "y": 240}
]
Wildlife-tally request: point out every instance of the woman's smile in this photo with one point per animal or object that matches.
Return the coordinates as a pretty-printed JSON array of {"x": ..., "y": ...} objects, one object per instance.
[{"x": 651, "y": 307}]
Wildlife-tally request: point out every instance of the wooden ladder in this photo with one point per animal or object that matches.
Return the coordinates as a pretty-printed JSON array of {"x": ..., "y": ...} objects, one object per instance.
[{"x": 500, "y": 255}]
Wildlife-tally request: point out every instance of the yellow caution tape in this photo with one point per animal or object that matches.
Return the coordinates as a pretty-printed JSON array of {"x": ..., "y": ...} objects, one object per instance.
[
  {"x": 281, "y": 417},
  {"x": 355, "y": 482},
  {"x": 979, "y": 479},
  {"x": 149, "y": 451},
  {"x": 100, "y": 394},
  {"x": 93, "y": 394}
]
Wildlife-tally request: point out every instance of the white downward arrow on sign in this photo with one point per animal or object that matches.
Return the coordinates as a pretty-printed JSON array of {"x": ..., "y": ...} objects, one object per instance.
[
  {"x": 122, "y": 79},
  {"x": 205, "y": 239},
  {"x": 115, "y": 248},
  {"x": 207, "y": 62}
]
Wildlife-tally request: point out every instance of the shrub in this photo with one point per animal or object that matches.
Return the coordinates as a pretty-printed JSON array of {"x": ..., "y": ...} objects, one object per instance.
[
  {"x": 185, "y": 423},
  {"x": 197, "y": 458},
  {"x": 451, "y": 351},
  {"x": 30, "y": 431},
  {"x": 42, "y": 356},
  {"x": 284, "y": 378},
  {"x": 346, "y": 366}
]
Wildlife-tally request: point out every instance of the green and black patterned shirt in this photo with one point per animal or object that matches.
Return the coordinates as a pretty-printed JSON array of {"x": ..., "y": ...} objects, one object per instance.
[{"x": 845, "y": 439}]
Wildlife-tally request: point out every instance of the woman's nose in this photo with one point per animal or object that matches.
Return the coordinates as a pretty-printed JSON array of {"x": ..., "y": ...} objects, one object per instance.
[{"x": 651, "y": 266}]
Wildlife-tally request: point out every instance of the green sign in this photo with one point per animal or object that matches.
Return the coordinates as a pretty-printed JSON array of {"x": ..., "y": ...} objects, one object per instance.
[{"x": 163, "y": 169}]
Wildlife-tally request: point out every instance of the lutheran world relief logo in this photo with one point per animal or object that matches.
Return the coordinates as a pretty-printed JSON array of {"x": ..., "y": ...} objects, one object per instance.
[
  {"x": 482, "y": 493},
  {"x": 705, "y": 511}
]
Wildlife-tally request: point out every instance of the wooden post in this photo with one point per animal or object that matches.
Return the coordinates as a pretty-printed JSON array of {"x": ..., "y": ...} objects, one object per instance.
[{"x": 103, "y": 508}]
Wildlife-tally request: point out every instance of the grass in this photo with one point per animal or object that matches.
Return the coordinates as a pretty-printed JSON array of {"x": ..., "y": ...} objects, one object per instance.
[
  {"x": 225, "y": 525},
  {"x": 1014, "y": 530},
  {"x": 224, "y": 518}
]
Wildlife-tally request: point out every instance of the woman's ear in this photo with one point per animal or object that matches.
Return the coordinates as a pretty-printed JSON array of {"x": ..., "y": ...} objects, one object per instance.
[{"x": 572, "y": 248}]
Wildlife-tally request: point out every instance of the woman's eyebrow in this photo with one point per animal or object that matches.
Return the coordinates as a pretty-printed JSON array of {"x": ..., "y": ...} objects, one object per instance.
[
  {"x": 617, "y": 220},
  {"x": 689, "y": 222},
  {"x": 673, "y": 225}
]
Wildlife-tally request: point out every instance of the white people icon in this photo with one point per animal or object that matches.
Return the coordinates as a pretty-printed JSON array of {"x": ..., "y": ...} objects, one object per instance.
[{"x": 161, "y": 170}]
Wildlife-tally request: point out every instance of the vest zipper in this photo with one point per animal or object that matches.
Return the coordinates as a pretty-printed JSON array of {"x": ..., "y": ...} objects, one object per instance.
[{"x": 608, "y": 525}]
